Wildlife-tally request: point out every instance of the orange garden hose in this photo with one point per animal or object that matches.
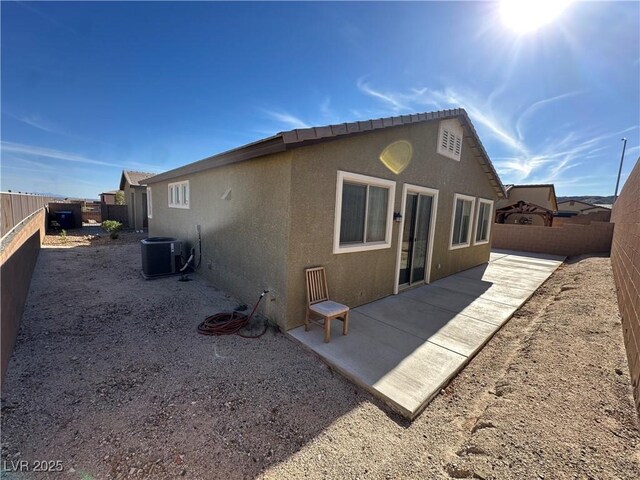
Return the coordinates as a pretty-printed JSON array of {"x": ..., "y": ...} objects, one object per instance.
[{"x": 229, "y": 323}]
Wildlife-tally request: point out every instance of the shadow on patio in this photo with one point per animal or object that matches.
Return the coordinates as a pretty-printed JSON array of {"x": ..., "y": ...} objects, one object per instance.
[{"x": 405, "y": 348}]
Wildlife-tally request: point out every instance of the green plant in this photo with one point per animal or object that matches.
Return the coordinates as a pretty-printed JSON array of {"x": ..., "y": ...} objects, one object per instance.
[
  {"x": 63, "y": 235},
  {"x": 119, "y": 197},
  {"x": 113, "y": 227}
]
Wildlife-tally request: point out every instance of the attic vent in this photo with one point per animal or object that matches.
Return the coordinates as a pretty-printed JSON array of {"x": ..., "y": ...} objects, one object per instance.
[{"x": 450, "y": 142}]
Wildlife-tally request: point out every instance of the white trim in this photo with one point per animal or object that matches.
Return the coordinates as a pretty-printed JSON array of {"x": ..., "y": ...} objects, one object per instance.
[
  {"x": 408, "y": 188},
  {"x": 365, "y": 180},
  {"x": 182, "y": 201},
  {"x": 456, "y": 197},
  {"x": 149, "y": 203},
  {"x": 475, "y": 228}
]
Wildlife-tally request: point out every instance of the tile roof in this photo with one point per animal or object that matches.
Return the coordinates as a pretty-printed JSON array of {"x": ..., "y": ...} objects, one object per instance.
[
  {"x": 305, "y": 136},
  {"x": 134, "y": 178}
]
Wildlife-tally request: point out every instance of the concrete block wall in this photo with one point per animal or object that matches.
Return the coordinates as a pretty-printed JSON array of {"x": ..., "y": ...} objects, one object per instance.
[
  {"x": 625, "y": 260},
  {"x": 563, "y": 240},
  {"x": 18, "y": 254}
]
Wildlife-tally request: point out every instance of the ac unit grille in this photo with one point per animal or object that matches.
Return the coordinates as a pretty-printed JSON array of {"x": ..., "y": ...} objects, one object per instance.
[{"x": 160, "y": 256}]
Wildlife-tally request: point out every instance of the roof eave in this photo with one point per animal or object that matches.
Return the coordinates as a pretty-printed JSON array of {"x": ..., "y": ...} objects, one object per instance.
[{"x": 260, "y": 148}]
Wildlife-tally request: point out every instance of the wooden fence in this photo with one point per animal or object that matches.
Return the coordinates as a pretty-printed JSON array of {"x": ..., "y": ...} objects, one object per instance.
[
  {"x": 92, "y": 212},
  {"x": 115, "y": 212},
  {"x": 74, "y": 207},
  {"x": 15, "y": 207}
]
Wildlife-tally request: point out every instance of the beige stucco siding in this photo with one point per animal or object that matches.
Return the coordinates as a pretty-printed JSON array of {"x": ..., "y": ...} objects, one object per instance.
[
  {"x": 245, "y": 236},
  {"x": 135, "y": 208},
  {"x": 360, "y": 277}
]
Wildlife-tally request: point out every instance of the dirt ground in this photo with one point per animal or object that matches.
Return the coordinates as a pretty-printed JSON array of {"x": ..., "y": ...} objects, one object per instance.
[
  {"x": 110, "y": 377},
  {"x": 90, "y": 235}
]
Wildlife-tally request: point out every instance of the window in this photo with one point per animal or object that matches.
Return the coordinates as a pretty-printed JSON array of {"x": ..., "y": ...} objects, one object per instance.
[
  {"x": 149, "y": 203},
  {"x": 483, "y": 221},
  {"x": 461, "y": 221},
  {"x": 179, "y": 195},
  {"x": 450, "y": 139},
  {"x": 364, "y": 213}
]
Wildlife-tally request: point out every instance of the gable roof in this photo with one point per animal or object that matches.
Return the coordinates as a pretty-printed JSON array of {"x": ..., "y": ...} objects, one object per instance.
[
  {"x": 308, "y": 136},
  {"x": 133, "y": 178}
]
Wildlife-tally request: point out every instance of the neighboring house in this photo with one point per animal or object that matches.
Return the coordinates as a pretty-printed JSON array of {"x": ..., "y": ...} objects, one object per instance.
[
  {"x": 135, "y": 197},
  {"x": 570, "y": 208},
  {"x": 383, "y": 204},
  {"x": 108, "y": 198},
  {"x": 534, "y": 204}
]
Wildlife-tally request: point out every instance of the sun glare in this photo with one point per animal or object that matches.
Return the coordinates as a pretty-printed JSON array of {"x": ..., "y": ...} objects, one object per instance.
[{"x": 525, "y": 16}]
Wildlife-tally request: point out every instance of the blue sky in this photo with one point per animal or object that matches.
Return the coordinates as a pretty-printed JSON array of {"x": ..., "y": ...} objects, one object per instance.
[{"x": 91, "y": 88}]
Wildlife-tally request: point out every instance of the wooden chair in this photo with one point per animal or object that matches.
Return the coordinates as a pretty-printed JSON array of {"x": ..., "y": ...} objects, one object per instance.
[{"x": 318, "y": 303}]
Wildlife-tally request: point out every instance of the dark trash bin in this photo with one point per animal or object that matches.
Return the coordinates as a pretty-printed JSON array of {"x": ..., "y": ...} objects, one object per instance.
[{"x": 65, "y": 219}]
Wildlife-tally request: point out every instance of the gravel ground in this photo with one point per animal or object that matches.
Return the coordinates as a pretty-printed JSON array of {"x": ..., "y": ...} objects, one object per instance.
[
  {"x": 110, "y": 378},
  {"x": 90, "y": 235}
]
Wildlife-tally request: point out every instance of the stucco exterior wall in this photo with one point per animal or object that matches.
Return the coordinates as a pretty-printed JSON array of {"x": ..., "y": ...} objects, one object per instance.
[
  {"x": 135, "y": 211},
  {"x": 361, "y": 277},
  {"x": 245, "y": 236}
]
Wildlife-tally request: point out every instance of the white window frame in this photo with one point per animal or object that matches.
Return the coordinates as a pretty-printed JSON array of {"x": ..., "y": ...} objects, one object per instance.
[
  {"x": 175, "y": 198},
  {"x": 452, "y": 128},
  {"x": 456, "y": 197},
  {"x": 149, "y": 203},
  {"x": 477, "y": 218},
  {"x": 364, "y": 180}
]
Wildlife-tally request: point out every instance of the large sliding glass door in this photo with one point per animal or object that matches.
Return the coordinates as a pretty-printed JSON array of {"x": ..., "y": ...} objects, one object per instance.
[{"x": 415, "y": 246}]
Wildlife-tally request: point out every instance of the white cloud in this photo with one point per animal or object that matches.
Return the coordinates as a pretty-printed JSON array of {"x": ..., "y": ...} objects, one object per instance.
[
  {"x": 51, "y": 153},
  {"x": 43, "y": 152},
  {"x": 537, "y": 106},
  {"x": 287, "y": 119},
  {"x": 545, "y": 161}
]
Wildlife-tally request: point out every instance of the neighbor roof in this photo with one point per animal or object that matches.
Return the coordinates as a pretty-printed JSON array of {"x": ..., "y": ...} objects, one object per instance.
[
  {"x": 531, "y": 185},
  {"x": 536, "y": 185},
  {"x": 307, "y": 136},
  {"x": 590, "y": 205},
  {"x": 133, "y": 178}
]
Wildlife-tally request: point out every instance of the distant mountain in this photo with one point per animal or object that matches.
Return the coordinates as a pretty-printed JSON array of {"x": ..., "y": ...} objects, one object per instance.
[{"x": 594, "y": 199}]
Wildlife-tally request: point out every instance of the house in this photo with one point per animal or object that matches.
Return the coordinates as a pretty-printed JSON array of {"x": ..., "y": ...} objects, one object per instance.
[
  {"x": 570, "y": 208},
  {"x": 108, "y": 198},
  {"x": 135, "y": 197},
  {"x": 383, "y": 204},
  {"x": 534, "y": 204}
]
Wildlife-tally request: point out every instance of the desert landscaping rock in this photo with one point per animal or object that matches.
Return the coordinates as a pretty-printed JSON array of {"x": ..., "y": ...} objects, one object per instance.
[{"x": 110, "y": 377}]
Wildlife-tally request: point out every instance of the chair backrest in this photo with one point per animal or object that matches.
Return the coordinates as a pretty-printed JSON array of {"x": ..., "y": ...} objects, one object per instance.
[{"x": 317, "y": 290}]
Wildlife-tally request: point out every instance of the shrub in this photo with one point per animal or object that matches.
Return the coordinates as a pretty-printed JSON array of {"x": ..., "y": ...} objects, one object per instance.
[
  {"x": 113, "y": 227},
  {"x": 63, "y": 235}
]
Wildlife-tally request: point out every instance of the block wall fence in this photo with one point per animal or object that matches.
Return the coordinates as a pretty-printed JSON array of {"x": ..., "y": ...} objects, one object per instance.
[
  {"x": 568, "y": 239},
  {"x": 625, "y": 260},
  {"x": 18, "y": 255}
]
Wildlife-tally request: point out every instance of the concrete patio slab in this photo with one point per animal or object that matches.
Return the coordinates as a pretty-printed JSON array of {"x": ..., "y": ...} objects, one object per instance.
[
  {"x": 404, "y": 348},
  {"x": 475, "y": 307}
]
